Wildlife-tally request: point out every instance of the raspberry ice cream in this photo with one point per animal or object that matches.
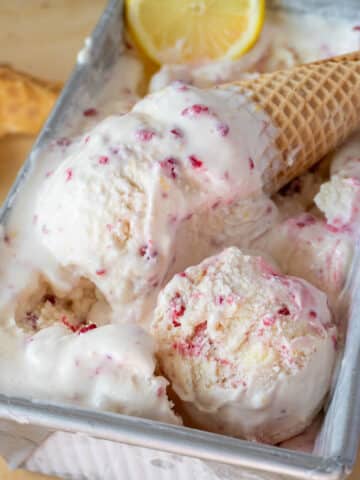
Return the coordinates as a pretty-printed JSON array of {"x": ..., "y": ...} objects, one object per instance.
[
  {"x": 309, "y": 248},
  {"x": 248, "y": 350},
  {"x": 81, "y": 309},
  {"x": 65, "y": 349},
  {"x": 110, "y": 368},
  {"x": 339, "y": 199},
  {"x": 111, "y": 211},
  {"x": 116, "y": 207}
]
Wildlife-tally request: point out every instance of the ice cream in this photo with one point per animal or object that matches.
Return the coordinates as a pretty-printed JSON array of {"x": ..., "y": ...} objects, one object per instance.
[
  {"x": 109, "y": 368},
  {"x": 285, "y": 41},
  {"x": 339, "y": 199},
  {"x": 81, "y": 309},
  {"x": 298, "y": 195},
  {"x": 124, "y": 203},
  {"x": 307, "y": 247},
  {"x": 238, "y": 223},
  {"x": 111, "y": 210},
  {"x": 59, "y": 346},
  {"x": 248, "y": 350}
]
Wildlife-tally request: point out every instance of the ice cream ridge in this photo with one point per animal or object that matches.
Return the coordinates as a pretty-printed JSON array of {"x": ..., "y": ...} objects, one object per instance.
[{"x": 135, "y": 218}]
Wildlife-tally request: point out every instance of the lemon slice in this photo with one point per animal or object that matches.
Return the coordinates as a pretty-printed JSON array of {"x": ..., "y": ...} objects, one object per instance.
[{"x": 186, "y": 31}]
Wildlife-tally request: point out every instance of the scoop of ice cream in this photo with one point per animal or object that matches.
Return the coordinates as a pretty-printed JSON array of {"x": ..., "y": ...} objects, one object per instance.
[
  {"x": 248, "y": 350},
  {"x": 307, "y": 247},
  {"x": 111, "y": 211},
  {"x": 110, "y": 367},
  {"x": 339, "y": 198}
]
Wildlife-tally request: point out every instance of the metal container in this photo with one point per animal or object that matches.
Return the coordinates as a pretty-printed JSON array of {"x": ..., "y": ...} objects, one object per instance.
[{"x": 81, "y": 444}]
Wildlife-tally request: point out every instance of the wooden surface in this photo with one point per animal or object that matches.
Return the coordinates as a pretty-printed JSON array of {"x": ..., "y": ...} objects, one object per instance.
[{"x": 46, "y": 47}]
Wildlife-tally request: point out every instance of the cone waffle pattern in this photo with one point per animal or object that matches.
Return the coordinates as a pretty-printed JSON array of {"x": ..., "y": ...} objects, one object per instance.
[{"x": 314, "y": 107}]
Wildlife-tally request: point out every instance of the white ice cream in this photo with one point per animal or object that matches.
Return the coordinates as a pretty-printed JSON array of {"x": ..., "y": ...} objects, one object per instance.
[
  {"x": 307, "y": 247},
  {"x": 109, "y": 368},
  {"x": 339, "y": 199},
  {"x": 248, "y": 350},
  {"x": 111, "y": 211},
  {"x": 118, "y": 210}
]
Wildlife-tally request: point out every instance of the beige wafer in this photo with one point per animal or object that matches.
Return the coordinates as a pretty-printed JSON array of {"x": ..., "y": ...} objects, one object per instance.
[
  {"x": 25, "y": 101},
  {"x": 314, "y": 106}
]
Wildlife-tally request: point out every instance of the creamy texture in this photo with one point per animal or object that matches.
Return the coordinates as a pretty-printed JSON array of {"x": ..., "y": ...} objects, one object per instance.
[
  {"x": 238, "y": 223},
  {"x": 58, "y": 345},
  {"x": 121, "y": 208},
  {"x": 110, "y": 368},
  {"x": 247, "y": 349},
  {"x": 111, "y": 210},
  {"x": 339, "y": 199},
  {"x": 307, "y": 247},
  {"x": 81, "y": 309}
]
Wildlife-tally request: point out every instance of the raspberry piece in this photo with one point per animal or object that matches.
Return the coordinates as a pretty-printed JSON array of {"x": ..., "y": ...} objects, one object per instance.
[
  {"x": 148, "y": 252},
  {"x": 195, "y": 109},
  {"x": 306, "y": 220},
  {"x": 69, "y": 174},
  {"x": 169, "y": 167},
  {"x": 90, "y": 112},
  {"x": 144, "y": 135},
  {"x": 177, "y": 309},
  {"x": 86, "y": 328},
  {"x": 177, "y": 132},
  {"x": 195, "y": 162},
  {"x": 284, "y": 311},
  {"x": 67, "y": 324},
  {"x": 219, "y": 300},
  {"x": 101, "y": 272},
  {"x": 268, "y": 322},
  {"x": 103, "y": 160},
  {"x": 223, "y": 129}
]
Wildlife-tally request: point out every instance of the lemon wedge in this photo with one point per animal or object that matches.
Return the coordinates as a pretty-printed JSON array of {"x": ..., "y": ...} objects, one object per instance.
[{"x": 191, "y": 31}]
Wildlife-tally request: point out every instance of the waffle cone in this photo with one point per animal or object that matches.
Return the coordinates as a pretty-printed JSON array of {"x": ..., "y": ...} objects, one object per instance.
[
  {"x": 314, "y": 107},
  {"x": 25, "y": 102}
]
